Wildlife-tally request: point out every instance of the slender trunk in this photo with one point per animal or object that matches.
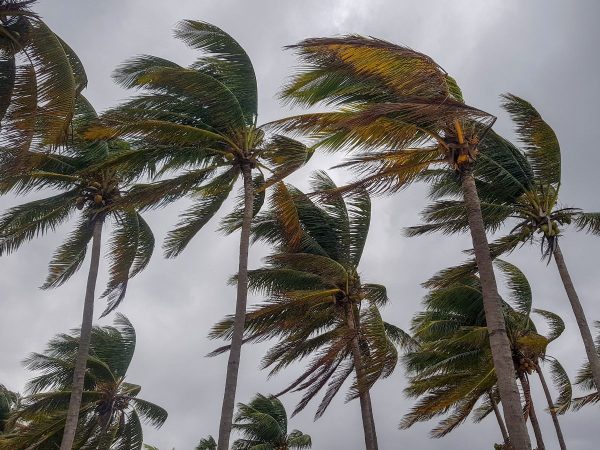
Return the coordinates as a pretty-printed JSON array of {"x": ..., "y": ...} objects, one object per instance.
[
  {"x": 531, "y": 410},
  {"x": 364, "y": 396},
  {"x": 584, "y": 328},
  {"x": 84, "y": 341},
  {"x": 233, "y": 363},
  {"x": 370, "y": 406},
  {"x": 559, "y": 435},
  {"x": 499, "y": 343},
  {"x": 499, "y": 419},
  {"x": 539, "y": 439}
]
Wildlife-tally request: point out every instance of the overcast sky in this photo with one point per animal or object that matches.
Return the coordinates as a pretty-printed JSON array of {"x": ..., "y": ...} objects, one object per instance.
[{"x": 545, "y": 51}]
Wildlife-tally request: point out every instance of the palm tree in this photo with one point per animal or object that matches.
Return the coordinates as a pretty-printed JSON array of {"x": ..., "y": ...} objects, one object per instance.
[
  {"x": 94, "y": 192},
  {"x": 40, "y": 79},
  {"x": 263, "y": 424},
  {"x": 318, "y": 304},
  {"x": 390, "y": 96},
  {"x": 536, "y": 210},
  {"x": 452, "y": 370},
  {"x": 9, "y": 401},
  {"x": 200, "y": 124},
  {"x": 111, "y": 412}
]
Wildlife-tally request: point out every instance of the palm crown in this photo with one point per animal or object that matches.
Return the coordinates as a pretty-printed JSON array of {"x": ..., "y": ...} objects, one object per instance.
[
  {"x": 96, "y": 192},
  {"x": 314, "y": 288},
  {"x": 111, "y": 412},
  {"x": 452, "y": 370},
  {"x": 263, "y": 424},
  {"x": 534, "y": 180},
  {"x": 199, "y": 123},
  {"x": 388, "y": 97}
]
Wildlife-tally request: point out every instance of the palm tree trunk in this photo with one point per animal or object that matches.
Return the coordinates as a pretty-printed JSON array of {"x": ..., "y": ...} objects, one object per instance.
[
  {"x": 559, "y": 435},
  {"x": 584, "y": 328},
  {"x": 539, "y": 439},
  {"x": 499, "y": 419},
  {"x": 366, "y": 409},
  {"x": 84, "y": 341},
  {"x": 532, "y": 415},
  {"x": 233, "y": 364},
  {"x": 499, "y": 343}
]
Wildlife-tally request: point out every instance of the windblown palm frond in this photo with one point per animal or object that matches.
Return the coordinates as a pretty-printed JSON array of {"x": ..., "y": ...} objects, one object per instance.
[
  {"x": 40, "y": 79},
  {"x": 585, "y": 381}
]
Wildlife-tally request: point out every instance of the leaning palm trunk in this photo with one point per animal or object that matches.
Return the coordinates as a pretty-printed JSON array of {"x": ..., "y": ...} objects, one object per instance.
[
  {"x": 499, "y": 419},
  {"x": 84, "y": 341},
  {"x": 233, "y": 364},
  {"x": 584, "y": 329},
  {"x": 499, "y": 343},
  {"x": 552, "y": 408},
  {"x": 530, "y": 411},
  {"x": 361, "y": 381}
]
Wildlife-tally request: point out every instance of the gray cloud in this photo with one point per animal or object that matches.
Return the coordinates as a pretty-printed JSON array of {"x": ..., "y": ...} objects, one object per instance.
[{"x": 542, "y": 50}]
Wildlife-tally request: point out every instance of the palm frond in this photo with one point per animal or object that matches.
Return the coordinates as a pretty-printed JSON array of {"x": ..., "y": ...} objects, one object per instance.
[
  {"x": 130, "y": 250},
  {"x": 541, "y": 143},
  {"x": 69, "y": 257},
  {"x": 25, "y": 222}
]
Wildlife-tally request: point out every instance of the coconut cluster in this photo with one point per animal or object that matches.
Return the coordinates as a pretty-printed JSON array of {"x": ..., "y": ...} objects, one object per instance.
[
  {"x": 96, "y": 195},
  {"x": 526, "y": 365}
]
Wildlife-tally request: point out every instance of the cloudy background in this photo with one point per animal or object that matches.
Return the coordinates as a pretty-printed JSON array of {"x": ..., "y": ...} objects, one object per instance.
[{"x": 545, "y": 51}]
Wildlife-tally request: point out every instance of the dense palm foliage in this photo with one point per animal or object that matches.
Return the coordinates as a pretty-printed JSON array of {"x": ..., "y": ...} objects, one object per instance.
[
  {"x": 263, "y": 423},
  {"x": 207, "y": 444},
  {"x": 111, "y": 412},
  {"x": 318, "y": 306},
  {"x": 452, "y": 370},
  {"x": 536, "y": 214},
  {"x": 40, "y": 79},
  {"x": 401, "y": 114},
  {"x": 9, "y": 401},
  {"x": 587, "y": 383},
  {"x": 199, "y": 124},
  {"x": 96, "y": 193}
]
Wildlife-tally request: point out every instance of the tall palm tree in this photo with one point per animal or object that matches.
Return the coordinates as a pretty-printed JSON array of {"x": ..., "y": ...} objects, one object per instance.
[
  {"x": 391, "y": 97},
  {"x": 263, "y": 424},
  {"x": 538, "y": 215},
  {"x": 94, "y": 192},
  {"x": 199, "y": 124},
  {"x": 111, "y": 413},
  {"x": 318, "y": 306},
  {"x": 452, "y": 369},
  {"x": 40, "y": 79}
]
